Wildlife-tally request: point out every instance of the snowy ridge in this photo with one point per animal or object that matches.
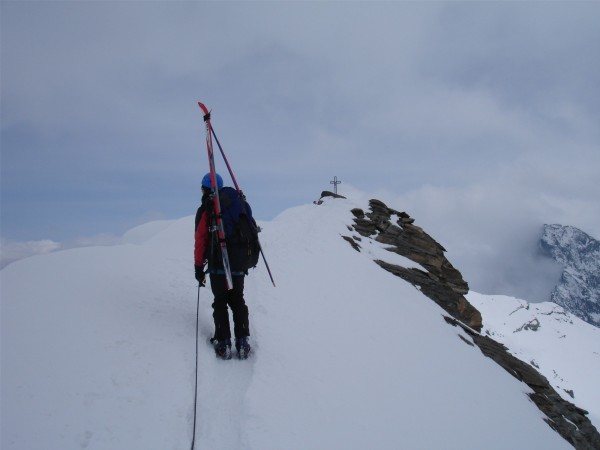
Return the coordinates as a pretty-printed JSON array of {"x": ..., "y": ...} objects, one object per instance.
[
  {"x": 564, "y": 348},
  {"x": 98, "y": 352}
]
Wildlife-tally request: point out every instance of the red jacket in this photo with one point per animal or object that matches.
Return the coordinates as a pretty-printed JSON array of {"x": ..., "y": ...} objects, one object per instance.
[{"x": 201, "y": 240}]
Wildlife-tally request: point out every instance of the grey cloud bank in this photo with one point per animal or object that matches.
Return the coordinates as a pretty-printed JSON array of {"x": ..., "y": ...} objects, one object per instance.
[{"x": 480, "y": 119}]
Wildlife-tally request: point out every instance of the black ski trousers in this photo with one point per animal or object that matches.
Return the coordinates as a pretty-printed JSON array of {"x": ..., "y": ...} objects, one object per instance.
[{"x": 233, "y": 299}]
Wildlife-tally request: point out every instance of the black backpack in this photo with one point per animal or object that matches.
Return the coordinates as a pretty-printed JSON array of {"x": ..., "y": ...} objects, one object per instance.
[{"x": 241, "y": 231}]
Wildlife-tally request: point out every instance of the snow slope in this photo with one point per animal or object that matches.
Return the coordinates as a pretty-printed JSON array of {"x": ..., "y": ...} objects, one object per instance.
[
  {"x": 564, "y": 348},
  {"x": 98, "y": 352}
]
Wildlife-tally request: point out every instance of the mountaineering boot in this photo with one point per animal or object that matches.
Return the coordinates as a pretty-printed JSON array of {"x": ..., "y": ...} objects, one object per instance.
[
  {"x": 243, "y": 347},
  {"x": 222, "y": 348}
]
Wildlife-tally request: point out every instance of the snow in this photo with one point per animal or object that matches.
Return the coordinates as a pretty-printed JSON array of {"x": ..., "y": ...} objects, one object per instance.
[
  {"x": 564, "y": 348},
  {"x": 98, "y": 352}
]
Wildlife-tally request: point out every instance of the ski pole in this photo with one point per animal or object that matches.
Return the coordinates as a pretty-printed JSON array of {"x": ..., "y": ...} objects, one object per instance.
[
  {"x": 237, "y": 188},
  {"x": 266, "y": 263}
]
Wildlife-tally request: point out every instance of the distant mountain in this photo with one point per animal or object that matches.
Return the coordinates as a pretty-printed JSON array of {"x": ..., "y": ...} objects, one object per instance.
[{"x": 579, "y": 288}]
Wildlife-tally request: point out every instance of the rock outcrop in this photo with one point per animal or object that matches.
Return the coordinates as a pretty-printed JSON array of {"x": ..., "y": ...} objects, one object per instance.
[
  {"x": 439, "y": 280},
  {"x": 328, "y": 194}
]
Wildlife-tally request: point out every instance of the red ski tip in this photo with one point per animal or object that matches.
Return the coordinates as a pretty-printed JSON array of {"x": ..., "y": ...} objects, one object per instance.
[{"x": 203, "y": 107}]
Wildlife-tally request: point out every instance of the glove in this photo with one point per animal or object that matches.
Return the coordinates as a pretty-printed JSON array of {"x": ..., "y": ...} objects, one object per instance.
[{"x": 200, "y": 275}]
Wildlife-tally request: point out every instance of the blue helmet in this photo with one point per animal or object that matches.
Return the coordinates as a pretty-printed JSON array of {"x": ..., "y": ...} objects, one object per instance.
[{"x": 207, "y": 184}]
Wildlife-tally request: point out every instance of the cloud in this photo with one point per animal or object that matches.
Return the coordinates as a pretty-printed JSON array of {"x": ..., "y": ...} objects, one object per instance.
[
  {"x": 13, "y": 251},
  {"x": 491, "y": 229}
]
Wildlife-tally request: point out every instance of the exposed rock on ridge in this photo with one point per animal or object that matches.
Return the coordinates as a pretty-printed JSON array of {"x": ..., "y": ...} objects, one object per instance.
[
  {"x": 328, "y": 194},
  {"x": 440, "y": 281}
]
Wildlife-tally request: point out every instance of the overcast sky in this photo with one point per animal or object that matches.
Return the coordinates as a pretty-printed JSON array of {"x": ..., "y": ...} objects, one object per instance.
[{"x": 480, "y": 119}]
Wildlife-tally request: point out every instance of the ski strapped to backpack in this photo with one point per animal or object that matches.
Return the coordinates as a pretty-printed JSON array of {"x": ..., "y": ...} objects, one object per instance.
[
  {"x": 246, "y": 229},
  {"x": 215, "y": 198}
]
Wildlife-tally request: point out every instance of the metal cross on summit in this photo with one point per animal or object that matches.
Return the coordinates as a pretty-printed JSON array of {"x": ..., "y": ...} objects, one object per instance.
[{"x": 335, "y": 182}]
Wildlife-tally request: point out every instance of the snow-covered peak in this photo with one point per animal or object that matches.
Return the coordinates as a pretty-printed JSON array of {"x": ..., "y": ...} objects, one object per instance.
[{"x": 579, "y": 287}]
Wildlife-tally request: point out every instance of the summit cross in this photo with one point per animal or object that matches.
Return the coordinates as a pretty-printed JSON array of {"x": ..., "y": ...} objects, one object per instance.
[{"x": 335, "y": 182}]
